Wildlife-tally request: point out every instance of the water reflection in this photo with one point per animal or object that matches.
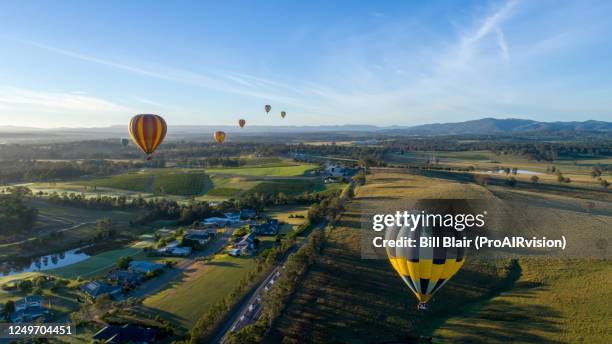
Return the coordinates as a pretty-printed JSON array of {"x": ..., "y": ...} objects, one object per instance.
[{"x": 43, "y": 263}]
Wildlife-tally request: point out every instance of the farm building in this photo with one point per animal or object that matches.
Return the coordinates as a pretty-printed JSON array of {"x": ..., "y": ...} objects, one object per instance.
[
  {"x": 96, "y": 289},
  {"x": 144, "y": 266},
  {"x": 115, "y": 334}
]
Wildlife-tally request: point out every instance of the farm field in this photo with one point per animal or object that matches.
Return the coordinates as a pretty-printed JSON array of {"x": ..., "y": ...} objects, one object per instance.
[
  {"x": 283, "y": 170},
  {"x": 200, "y": 287},
  {"x": 531, "y": 299},
  {"x": 180, "y": 184},
  {"x": 577, "y": 170}
]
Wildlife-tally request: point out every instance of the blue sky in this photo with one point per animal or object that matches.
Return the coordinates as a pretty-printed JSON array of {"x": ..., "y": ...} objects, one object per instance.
[{"x": 86, "y": 63}]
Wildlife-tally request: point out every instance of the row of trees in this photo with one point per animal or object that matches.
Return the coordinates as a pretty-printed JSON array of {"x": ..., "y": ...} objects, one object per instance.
[{"x": 15, "y": 171}]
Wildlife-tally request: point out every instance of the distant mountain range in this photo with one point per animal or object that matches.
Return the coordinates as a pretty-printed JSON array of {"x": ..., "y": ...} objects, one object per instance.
[
  {"x": 505, "y": 126},
  {"x": 484, "y": 126}
]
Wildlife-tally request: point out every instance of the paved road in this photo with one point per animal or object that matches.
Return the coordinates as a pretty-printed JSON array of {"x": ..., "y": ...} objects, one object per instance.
[{"x": 249, "y": 311}]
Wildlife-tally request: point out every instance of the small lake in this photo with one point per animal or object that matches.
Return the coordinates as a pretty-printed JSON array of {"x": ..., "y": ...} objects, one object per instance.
[
  {"x": 43, "y": 263},
  {"x": 518, "y": 172}
]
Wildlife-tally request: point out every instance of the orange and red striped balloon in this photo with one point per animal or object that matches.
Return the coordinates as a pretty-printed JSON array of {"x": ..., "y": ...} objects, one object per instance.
[
  {"x": 241, "y": 123},
  {"x": 148, "y": 132},
  {"x": 219, "y": 136}
]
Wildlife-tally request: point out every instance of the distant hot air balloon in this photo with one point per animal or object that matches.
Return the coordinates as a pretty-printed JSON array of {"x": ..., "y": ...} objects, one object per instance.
[
  {"x": 268, "y": 108},
  {"x": 283, "y": 114},
  {"x": 148, "y": 132},
  {"x": 125, "y": 141},
  {"x": 241, "y": 123},
  {"x": 219, "y": 136},
  {"x": 426, "y": 270}
]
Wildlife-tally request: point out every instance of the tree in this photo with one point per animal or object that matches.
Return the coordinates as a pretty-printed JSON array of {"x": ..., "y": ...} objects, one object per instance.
[
  {"x": 535, "y": 179},
  {"x": 9, "y": 307},
  {"x": 124, "y": 262},
  {"x": 360, "y": 178},
  {"x": 511, "y": 181}
]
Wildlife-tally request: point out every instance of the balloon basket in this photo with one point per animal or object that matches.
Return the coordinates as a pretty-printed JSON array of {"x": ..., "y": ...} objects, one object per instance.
[{"x": 422, "y": 306}]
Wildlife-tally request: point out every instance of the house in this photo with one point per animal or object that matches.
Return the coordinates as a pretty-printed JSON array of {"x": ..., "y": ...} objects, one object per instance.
[
  {"x": 30, "y": 314},
  {"x": 270, "y": 228},
  {"x": 335, "y": 171},
  {"x": 128, "y": 333},
  {"x": 96, "y": 289},
  {"x": 27, "y": 302},
  {"x": 216, "y": 222},
  {"x": 173, "y": 249},
  {"x": 144, "y": 266},
  {"x": 200, "y": 237},
  {"x": 246, "y": 244},
  {"x": 181, "y": 251},
  {"x": 248, "y": 214},
  {"x": 124, "y": 278}
]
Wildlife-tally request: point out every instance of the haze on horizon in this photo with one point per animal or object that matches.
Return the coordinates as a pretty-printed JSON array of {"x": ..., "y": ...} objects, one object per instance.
[{"x": 95, "y": 64}]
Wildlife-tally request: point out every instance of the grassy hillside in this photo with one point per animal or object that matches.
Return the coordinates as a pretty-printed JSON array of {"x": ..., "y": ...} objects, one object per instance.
[
  {"x": 554, "y": 301},
  {"x": 356, "y": 300}
]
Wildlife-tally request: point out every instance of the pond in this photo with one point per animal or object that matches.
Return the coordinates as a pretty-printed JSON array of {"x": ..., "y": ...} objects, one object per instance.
[{"x": 43, "y": 263}]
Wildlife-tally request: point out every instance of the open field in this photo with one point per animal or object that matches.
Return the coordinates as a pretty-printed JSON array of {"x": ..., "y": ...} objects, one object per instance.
[
  {"x": 96, "y": 265},
  {"x": 200, "y": 287},
  {"x": 545, "y": 299},
  {"x": 271, "y": 175},
  {"x": 272, "y": 171},
  {"x": 578, "y": 170},
  {"x": 554, "y": 301}
]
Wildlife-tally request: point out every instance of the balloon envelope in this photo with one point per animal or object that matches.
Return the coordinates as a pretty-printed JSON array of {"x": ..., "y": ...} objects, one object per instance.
[
  {"x": 283, "y": 114},
  {"x": 148, "y": 132},
  {"x": 219, "y": 136},
  {"x": 125, "y": 141},
  {"x": 425, "y": 270},
  {"x": 241, "y": 123},
  {"x": 268, "y": 108}
]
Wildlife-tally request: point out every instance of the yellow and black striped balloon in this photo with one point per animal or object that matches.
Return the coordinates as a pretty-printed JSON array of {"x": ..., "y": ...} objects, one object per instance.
[
  {"x": 425, "y": 269},
  {"x": 148, "y": 132}
]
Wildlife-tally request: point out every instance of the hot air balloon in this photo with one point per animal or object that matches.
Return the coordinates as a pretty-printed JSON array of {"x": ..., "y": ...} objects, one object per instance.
[
  {"x": 219, "y": 136},
  {"x": 283, "y": 114},
  {"x": 148, "y": 132},
  {"x": 268, "y": 108},
  {"x": 125, "y": 141},
  {"x": 426, "y": 269},
  {"x": 241, "y": 123}
]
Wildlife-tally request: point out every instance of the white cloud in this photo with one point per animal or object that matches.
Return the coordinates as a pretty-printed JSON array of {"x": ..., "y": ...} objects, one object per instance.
[{"x": 57, "y": 101}]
